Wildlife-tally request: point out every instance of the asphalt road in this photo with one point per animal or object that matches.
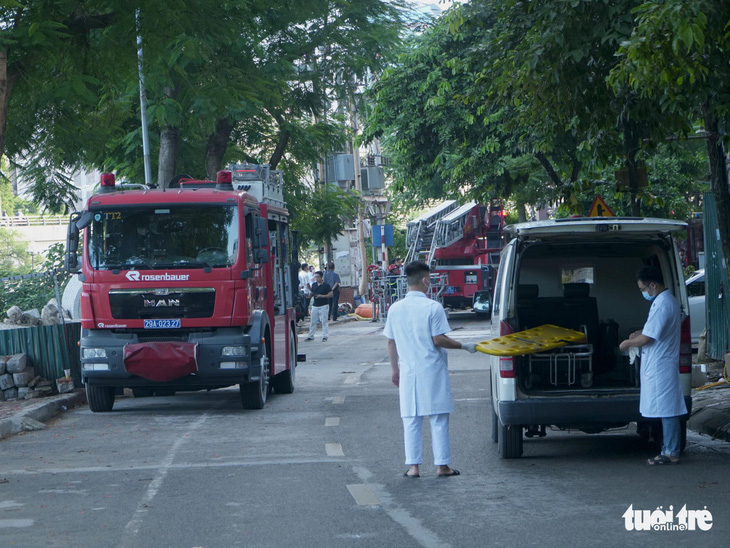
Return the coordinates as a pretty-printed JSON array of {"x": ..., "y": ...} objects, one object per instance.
[{"x": 323, "y": 467}]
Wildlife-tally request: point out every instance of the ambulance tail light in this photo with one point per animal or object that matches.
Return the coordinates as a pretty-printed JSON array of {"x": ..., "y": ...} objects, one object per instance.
[
  {"x": 108, "y": 183},
  {"x": 506, "y": 363},
  {"x": 685, "y": 347}
]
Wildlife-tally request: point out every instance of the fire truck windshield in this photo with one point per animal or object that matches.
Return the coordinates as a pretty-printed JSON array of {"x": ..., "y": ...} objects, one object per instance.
[{"x": 164, "y": 237}]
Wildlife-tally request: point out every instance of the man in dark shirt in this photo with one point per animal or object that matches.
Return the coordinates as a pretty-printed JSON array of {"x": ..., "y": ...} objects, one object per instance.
[
  {"x": 321, "y": 292},
  {"x": 332, "y": 279}
]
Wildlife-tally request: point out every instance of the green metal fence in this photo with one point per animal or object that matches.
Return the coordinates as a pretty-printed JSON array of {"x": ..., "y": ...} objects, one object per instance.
[
  {"x": 717, "y": 288},
  {"x": 50, "y": 349}
]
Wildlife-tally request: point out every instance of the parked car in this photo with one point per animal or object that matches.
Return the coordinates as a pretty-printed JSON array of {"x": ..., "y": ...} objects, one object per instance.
[
  {"x": 696, "y": 293},
  {"x": 579, "y": 273}
]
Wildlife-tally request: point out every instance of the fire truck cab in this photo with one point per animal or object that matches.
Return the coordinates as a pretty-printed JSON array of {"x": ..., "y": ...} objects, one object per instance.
[{"x": 189, "y": 288}]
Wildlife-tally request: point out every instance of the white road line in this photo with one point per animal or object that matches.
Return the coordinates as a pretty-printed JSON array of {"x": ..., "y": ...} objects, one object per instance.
[
  {"x": 16, "y": 523},
  {"x": 351, "y": 379},
  {"x": 338, "y": 400},
  {"x": 334, "y": 450},
  {"x": 260, "y": 460},
  {"x": 10, "y": 503},
  {"x": 363, "y": 495},
  {"x": 332, "y": 421},
  {"x": 411, "y": 524},
  {"x": 132, "y": 528}
]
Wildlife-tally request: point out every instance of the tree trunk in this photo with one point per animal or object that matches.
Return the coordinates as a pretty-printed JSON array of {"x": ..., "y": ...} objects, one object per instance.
[
  {"x": 631, "y": 147},
  {"x": 280, "y": 148},
  {"x": 719, "y": 181},
  {"x": 169, "y": 143},
  {"x": 6, "y": 87},
  {"x": 216, "y": 147}
]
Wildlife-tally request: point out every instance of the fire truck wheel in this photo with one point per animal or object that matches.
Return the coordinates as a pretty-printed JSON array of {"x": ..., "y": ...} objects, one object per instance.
[
  {"x": 100, "y": 398},
  {"x": 284, "y": 381},
  {"x": 254, "y": 394}
]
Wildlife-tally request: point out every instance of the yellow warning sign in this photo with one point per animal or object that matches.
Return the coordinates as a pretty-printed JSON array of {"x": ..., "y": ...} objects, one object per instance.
[
  {"x": 538, "y": 339},
  {"x": 600, "y": 209}
]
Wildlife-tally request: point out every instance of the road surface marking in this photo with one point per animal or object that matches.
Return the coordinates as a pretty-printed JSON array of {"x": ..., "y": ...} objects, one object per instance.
[
  {"x": 332, "y": 421},
  {"x": 363, "y": 495},
  {"x": 338, "y": 400},
  {"x": 132, "y": 528},
  {"x": 16, "y": 523},
  {"x": 412, "y": 525},
  {"x": 10, "y": 504},
  {"x": 334, "y": 450},
  {"x": 351, "y": 379}
]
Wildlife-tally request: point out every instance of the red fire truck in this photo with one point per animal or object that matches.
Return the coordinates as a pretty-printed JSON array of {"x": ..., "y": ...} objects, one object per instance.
[
  {"x": 187, "y": 288},
  {"x": 463, "y": 242}
]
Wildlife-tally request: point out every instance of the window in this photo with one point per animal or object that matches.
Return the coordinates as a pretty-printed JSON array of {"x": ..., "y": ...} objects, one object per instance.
[
  {"x": 164, "y": 237},
  {"x": 576, "y": 275}
]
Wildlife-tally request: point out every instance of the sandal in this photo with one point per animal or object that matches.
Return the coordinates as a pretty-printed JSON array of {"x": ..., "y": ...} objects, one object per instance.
[{"x": 663, "y": 459}]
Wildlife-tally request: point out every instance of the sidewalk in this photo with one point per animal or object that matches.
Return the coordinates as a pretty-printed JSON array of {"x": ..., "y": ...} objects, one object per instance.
[{"x": 19, "y": 415}]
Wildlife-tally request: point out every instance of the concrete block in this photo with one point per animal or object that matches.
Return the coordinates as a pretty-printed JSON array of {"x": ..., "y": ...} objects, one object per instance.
[
  {"x": 22, "y": 391},
  {"x": 10, "y": 393},
  {"x": 24, "y": 377},
  {"x": 3, "y": 363},
  {"x": 699, "y": 375},
  {"x": 35, "y": 381},
  {"x": 6, "y": 381},
  {"x": 17, "y": 363},
  {"x": 64, "y": 385}
]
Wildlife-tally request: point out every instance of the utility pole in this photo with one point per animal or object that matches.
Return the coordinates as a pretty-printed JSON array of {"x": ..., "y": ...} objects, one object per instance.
[
  {"x": 358, "y": 187},
  {"x": 143, "y": 107}
]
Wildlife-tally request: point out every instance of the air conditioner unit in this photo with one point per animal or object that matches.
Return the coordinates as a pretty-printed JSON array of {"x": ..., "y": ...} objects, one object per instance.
[{"x": 372, "y": 178}]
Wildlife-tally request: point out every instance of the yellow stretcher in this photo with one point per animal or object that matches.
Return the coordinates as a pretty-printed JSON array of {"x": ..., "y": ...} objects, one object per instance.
[{"x": 538, "y": 339}]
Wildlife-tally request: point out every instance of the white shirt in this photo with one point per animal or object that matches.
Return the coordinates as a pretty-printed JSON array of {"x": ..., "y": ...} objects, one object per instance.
[
  {"x": 424, "y": 388},
  {"x": 303, "y": 281},
  {"x": 661, "y": 390}
]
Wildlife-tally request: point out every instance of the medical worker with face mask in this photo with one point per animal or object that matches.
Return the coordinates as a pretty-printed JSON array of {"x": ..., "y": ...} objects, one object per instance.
[{"x": 661, "y": 392}]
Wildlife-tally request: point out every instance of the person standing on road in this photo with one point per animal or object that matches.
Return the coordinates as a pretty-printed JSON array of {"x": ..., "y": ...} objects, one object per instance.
[
  {"x": 416, "y": 330},
  {"x": 322, "y": 293},
  {"x": 332, "y": 279},
  {"x": 304, "y": 287},
  {"x": 661, "y": 392}
]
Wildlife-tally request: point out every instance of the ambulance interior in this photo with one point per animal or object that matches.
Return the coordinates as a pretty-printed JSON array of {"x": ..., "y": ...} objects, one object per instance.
[{"x": 591, "y": 288}]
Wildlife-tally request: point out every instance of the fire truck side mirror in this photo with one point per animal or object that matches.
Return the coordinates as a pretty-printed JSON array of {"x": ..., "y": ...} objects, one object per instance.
[
  {"x": 77, "y": 222},
  {"x": 260, "y": 256}
]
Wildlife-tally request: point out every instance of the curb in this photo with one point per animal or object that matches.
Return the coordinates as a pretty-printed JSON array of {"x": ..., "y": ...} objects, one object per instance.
[
  {"x": 41, "y": 411},
  {"x": 712, "y": 421}
]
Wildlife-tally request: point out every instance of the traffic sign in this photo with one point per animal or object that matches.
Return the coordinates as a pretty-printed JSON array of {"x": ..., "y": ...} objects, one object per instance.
[{"x": 600, "y": 209}]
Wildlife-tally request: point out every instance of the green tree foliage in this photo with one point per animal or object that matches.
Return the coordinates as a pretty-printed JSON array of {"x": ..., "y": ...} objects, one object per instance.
[
  {"x": 29, "y": 281},
  {"x": 678, "y": 57},
  {"x": 521, "y": 100},
  {"x": 322, "y": 213}
]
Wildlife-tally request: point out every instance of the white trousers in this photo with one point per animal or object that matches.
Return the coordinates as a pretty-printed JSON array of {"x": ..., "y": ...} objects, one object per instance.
[
  {"x": 319, "y": 313},
  {"x": 413, "y": 436}
]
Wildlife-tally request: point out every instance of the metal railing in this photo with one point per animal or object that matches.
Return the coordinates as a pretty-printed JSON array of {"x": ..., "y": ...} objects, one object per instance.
[{"x": 33, "y": 220}]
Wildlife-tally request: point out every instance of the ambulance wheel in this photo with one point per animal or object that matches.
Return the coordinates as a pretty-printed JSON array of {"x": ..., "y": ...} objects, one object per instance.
[
  {"x": 100, "y": 398},
  {"x": 254, "y": 394},
  {"x": 510, "y": 441},
  {"x": 284, "y": 381}
]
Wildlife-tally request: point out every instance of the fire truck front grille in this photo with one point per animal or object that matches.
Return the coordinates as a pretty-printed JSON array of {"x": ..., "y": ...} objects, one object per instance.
[{"x": 162, "y": 303}]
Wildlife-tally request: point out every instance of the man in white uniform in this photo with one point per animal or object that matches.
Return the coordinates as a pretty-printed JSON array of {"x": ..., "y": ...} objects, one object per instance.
[
  {"x": 661, "y": 391},
  {"x": 416, "y": 330}
]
